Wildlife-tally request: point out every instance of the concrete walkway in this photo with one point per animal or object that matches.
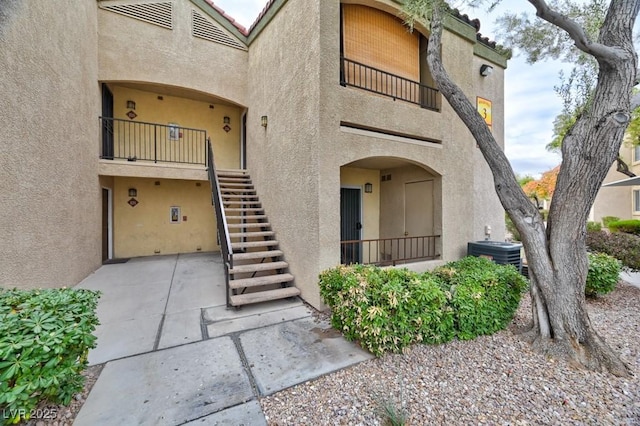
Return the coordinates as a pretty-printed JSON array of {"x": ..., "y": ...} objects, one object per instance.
[{"x": 175, "y": 355}]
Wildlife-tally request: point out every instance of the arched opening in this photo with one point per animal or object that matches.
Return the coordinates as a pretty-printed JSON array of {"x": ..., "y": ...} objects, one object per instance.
[{"x": 390, "y": 212}]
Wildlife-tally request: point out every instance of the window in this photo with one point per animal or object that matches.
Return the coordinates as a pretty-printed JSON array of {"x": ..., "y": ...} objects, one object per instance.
[
  {"x": 636, "y": 153},
  {"x": 636, "y": 200}
]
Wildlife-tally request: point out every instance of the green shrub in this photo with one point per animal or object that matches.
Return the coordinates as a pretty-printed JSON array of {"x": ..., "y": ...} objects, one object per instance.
[
  {"x": 603, "y": 275},
  {"x": 45, "y": 336},
  {"x": 511, "y": 228},
  {"x": 594, "y": 226},
  {"x": 386, "y": 309},
  {"x": 624, "y": 247},
  {"x": 627, "y": 226},
  {"x": 606, "y": 220},
  {"x": 390, "y": 309},
  {"x": 485, "y": 295}
]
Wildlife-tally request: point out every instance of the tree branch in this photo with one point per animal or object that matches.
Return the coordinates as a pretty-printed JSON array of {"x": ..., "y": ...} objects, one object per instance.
[{"x": 576, "y": 33}]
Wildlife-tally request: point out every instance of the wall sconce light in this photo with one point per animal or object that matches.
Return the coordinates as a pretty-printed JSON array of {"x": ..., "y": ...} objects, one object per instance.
[
  {"x": 133, "y": 192},
  {"x": 131, "y": 105},
  {"x": 486, "y": 70},
  {"x": 264, "y": 121},
  {"x": 368, "y": 188},
  {"x": 226, "y": 120}
]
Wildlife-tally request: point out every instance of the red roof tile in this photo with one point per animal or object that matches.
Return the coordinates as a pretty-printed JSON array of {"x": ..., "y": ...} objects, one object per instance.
[{"x": 240, "y": 28}]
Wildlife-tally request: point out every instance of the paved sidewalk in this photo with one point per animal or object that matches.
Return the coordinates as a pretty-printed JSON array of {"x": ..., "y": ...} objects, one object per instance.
[
  {"x": 632, "y": 278},
  {"x": 175, "y": 355}
]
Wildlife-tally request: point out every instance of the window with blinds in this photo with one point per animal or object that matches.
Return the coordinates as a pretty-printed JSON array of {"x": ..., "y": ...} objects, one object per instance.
[
  {"x": 380, "y": 55},
  {"x": 380, "y": 40}
]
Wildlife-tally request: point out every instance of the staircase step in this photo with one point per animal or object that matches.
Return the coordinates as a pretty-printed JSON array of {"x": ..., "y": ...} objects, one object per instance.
[
  {"x": 259, "y": 281},
  {"x": 247, "y": 217},
  {"x": 239, "y": 196},
  {"x": 257, "y": 255},
  {"x": 225, "y": 191},
  {"x": 258, "y": 267},
  {"x": 242, "y": 203},
  {"x": 251, "y": 234},
  {"x": 264, "y": 296},
  {"x": 234, "y": 178},
  {"x": 232, "y": 174},
  {"x": 252, "y": 244},
  {"x": 248, "y": 225},
  {"x": 234, "y": 184},
  {"x": 244, "y": 209}
]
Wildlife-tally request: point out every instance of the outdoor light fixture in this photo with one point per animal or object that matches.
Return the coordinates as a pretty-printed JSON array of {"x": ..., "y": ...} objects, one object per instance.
[
  {"x": 133, "y": 192},
  {"x": 264, "y": 121},
  {"x": 486, "y": 70},
  {"x": 226, "y": 120},
  {"x": 131, "y": 105},
  {"x": 368, "y": 188}
]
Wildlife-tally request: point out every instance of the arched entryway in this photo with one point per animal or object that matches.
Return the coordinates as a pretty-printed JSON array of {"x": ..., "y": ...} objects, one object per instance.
[{"x": 390, "y": 212}]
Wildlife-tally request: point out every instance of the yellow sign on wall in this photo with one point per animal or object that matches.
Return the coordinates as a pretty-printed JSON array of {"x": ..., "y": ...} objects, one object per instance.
[{"x": 484, "y": 108}]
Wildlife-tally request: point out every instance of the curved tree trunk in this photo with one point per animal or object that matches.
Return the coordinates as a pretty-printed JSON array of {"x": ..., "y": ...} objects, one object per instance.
[{"x": 557, "y": 253}]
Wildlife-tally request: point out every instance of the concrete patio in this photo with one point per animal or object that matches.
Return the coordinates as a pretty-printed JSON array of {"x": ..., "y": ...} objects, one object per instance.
[{"x": 175, "y": 355}]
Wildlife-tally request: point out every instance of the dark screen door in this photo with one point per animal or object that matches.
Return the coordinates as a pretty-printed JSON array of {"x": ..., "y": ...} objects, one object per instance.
[
  {"x": 350, "y": 226},
  {"x": 107, "y": 123}
]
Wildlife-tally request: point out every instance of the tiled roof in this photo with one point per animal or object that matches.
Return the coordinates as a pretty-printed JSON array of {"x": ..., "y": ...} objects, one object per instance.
[
  {"x": 233, "y": 22},
  {"x": 264, "y": 12},
  {"x": 475, "y": 23}
]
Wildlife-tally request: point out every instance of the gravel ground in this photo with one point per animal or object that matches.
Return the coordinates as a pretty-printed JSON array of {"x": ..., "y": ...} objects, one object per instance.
[{"x": 492, "y": 380}]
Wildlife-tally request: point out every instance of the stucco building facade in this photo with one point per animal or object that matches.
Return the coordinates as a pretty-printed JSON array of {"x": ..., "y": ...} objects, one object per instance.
[{"x": 104, "y": 136}]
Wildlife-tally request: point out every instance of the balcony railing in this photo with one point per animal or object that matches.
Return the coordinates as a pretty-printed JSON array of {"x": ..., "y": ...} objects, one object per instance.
[
  {"x": 390, "y": 251},
  {"x": 160, "y": 143},
  {"x": 362, "y": 76}
]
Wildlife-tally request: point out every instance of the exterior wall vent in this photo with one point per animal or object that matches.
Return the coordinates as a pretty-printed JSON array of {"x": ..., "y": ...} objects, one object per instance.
[
  {"x": 160, "y": 14},
  {"x": 205, "y": 29}
]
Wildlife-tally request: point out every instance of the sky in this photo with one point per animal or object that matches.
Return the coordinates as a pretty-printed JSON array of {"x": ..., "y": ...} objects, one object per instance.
[{"x": 531, "y": 104}]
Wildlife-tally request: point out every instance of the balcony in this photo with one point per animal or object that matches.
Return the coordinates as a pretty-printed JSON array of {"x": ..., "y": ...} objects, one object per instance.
[
  {"x": 390, "y": 251},
  {"x": 364, "y": 77},
  {"x": 137, "y": 141}
]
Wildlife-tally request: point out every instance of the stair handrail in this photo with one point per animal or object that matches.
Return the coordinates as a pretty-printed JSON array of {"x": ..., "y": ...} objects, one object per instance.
[{"x": 221, "y": 219}]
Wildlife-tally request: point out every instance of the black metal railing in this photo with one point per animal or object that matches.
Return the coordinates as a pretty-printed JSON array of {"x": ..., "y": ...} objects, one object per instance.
[
  {"x": 390, "y": 251},
  {"x": 160, "y": 143},
  {"x": 221, "y": 219},
  {"x": 365, "y": 77}
]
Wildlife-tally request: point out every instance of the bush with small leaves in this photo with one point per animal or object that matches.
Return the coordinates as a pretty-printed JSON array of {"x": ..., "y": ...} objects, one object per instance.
[
  {"x": 627, "y": 226},
  {"x": 390, "y": 309},
  {"x": 624, "y": 247},
  {"x": 606, "y": 220},
  {"x": 485, "y": 295},
  {"x": 386, "y": 309},
  {"x": 594, "y": 226},
  {"x": 603, "y": 275},
  {"x": 45, "y": 337}
]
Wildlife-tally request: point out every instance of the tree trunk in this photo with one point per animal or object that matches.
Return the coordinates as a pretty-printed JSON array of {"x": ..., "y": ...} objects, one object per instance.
[{"x": 557, "y": 253}]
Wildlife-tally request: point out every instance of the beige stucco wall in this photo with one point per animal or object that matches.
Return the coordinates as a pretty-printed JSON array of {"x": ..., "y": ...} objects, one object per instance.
[
  {"x": 50, "y": 231},
  {"x": 284, "y": 63},
  {"x": 187, "y": 113},
  {"x": 133, "y": 50},
  {"x": 146, "y": 229},
  {"x": 392, "y": 200},
  {"x": 487, "y": 209},
  {"x": 298, "y": 157}
]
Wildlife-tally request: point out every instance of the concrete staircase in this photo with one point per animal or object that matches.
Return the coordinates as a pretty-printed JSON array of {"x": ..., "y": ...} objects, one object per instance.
[{"x": 259, "y": 272}]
